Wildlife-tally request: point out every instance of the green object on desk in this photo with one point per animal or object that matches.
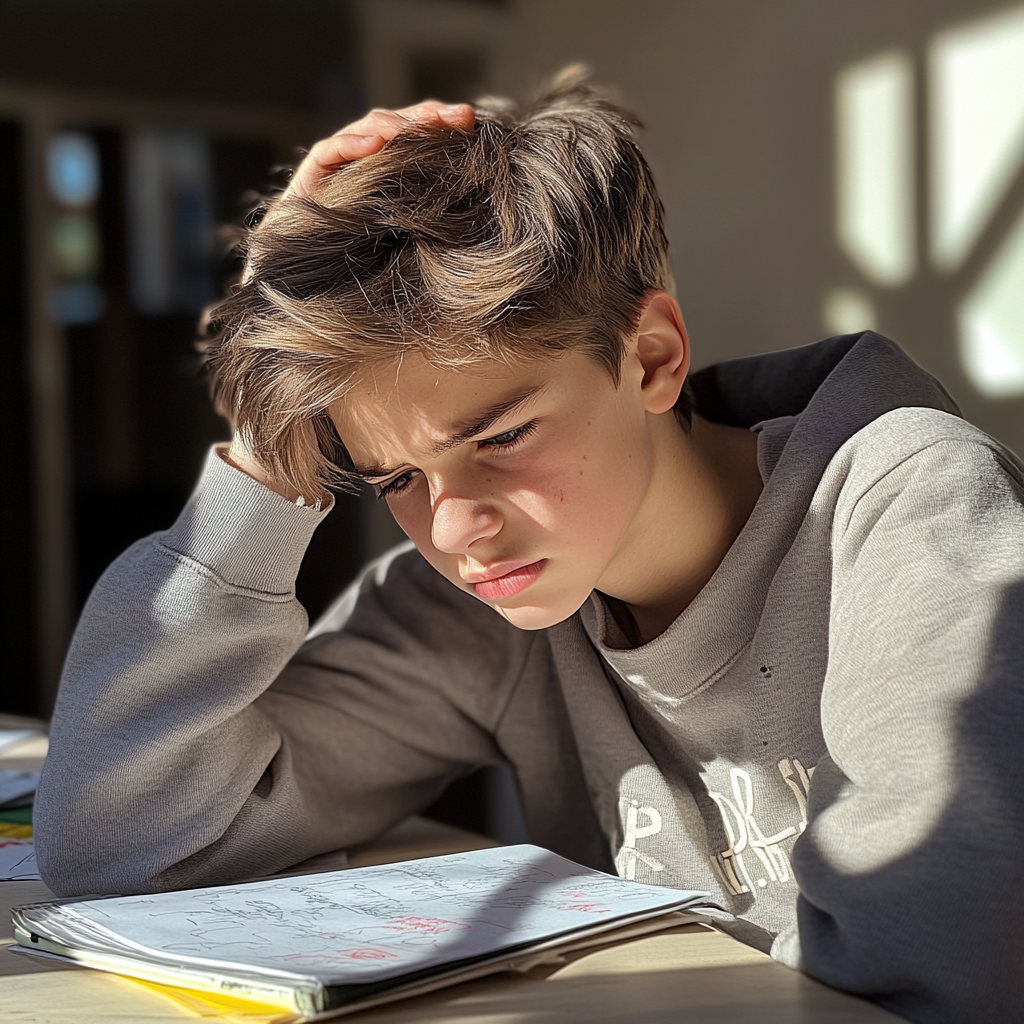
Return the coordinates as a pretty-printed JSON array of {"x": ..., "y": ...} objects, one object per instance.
[{"x": 17, "y": 816}]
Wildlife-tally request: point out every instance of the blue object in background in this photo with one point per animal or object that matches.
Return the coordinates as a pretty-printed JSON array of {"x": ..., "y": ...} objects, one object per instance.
[
  {"x": 76, "y": 303},
  {"x": 73, "y": 169}
]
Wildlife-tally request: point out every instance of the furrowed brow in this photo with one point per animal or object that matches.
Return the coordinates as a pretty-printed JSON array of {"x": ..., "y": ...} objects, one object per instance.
[
  {"x": 479, "y": 425},
  {"x": 486, "y": 419}
]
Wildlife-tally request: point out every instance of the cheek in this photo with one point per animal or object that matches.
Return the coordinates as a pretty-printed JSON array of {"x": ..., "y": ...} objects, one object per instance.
[
  {"x": 412, "y": 513},
  {"x": 586, "y": 490},
  {"x": 559, "y": 503}
]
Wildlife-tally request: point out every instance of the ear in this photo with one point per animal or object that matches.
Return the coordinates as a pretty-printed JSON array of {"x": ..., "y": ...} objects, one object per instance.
[{"x": 663, "y": 350}]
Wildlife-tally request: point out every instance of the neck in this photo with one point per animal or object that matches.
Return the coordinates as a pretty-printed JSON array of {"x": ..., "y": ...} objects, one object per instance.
[{"x": 704, "y": 485}]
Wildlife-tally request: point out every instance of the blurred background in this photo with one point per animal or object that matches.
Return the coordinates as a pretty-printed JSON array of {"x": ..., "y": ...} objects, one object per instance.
[{"x": 826, "y": 167}]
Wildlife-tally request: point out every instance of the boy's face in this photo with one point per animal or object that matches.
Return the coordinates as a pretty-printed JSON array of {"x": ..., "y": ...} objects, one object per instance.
[{"x": 519, "y": 483}]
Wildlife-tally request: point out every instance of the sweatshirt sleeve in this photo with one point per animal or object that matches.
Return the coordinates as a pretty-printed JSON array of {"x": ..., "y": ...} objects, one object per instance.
[
  {"x": 911, "y": 870},
  {"x": 197, "y": 740}
]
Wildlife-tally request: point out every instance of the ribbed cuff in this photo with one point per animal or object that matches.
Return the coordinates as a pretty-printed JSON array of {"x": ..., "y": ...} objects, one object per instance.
[{"x": 244, "y": 532}]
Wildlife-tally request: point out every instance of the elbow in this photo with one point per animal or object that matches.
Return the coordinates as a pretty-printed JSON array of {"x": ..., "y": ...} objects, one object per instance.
[
  {"x": 71, "y": 868},
  {"x": 79, "y": 857}
]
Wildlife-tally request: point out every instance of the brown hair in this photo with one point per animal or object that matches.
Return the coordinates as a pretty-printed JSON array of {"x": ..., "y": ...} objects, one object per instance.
[{"x": 533, "y": 234}]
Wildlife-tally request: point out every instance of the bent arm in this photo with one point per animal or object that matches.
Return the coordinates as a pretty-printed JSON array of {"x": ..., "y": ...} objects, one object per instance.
[
  {"x": 912, "y": 868},
  {"x": 191, "y": 746}
]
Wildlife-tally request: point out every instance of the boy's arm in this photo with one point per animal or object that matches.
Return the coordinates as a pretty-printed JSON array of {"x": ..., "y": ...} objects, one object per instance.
[
  {"x": 170, "y": 763},
  {"x": 190, "y": 747},
  {"x": 911, "y": 870}
]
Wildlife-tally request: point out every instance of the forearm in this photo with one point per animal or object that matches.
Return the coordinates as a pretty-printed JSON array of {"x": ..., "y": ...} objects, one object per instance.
[
  {"x": 195, "y": 743},
  {"x": 156, "y": 740}
]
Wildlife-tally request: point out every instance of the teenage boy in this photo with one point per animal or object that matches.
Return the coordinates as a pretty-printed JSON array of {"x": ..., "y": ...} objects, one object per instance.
[{"x": 758, "y": 632}]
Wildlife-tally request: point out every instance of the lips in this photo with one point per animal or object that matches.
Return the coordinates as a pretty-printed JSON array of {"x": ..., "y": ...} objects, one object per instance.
[{"x": 511, "y": 583}]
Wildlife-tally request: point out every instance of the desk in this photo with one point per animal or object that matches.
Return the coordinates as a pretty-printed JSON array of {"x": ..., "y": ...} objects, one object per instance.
[{"x": 684, "y": 976}]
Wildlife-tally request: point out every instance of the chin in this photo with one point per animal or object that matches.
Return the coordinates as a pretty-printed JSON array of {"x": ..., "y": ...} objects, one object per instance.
[{"x": 533, "y": 617}]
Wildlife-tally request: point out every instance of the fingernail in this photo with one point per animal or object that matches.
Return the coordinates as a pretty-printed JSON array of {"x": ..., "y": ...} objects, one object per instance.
[
  {"x": 368, "y": 138},
  {"x": 452, "y": 108}
]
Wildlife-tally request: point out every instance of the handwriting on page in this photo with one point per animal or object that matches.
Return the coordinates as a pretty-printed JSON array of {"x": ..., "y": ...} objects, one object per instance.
[
  {"x": 369, "y": 924},
  {"x": 17, "y": 861}
]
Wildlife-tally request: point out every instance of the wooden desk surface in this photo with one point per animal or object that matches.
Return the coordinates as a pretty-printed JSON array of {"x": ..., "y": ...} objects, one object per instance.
[{"x": 687, "y": 975}]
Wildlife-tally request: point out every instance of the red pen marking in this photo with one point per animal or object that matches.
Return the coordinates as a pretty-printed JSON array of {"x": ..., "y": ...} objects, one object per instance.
[
  {"x": 585, "y": 907},
  {"x": 334, "y": 956},
  {"x": 425, "y": 925}
]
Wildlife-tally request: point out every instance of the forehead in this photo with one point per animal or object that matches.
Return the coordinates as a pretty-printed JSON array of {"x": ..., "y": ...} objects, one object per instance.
[
  {"x": 439, "y": 395},
  {"x": 414, "y": 382}
]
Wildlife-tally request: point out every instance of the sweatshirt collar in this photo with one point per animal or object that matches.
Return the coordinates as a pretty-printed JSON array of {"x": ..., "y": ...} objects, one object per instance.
[{"x": 804, "y": 404}]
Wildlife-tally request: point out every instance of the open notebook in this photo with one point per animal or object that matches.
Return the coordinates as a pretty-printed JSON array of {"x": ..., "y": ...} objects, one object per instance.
[{"x": 326, "y": 944}]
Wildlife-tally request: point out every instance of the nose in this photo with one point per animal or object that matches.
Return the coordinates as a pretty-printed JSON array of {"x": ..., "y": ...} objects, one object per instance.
[{"x": 461, "y": 522}]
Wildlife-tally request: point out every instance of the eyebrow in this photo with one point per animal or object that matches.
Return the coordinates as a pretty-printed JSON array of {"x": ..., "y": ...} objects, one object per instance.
[{"x": 480, "y": 425}]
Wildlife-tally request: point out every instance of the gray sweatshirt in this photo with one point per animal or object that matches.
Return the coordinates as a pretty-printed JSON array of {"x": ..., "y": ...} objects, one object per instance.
[{"x": 828, "y": 739}]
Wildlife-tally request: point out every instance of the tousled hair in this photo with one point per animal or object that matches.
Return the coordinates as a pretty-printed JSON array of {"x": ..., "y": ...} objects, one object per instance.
[{"x": 532, "y": 234}]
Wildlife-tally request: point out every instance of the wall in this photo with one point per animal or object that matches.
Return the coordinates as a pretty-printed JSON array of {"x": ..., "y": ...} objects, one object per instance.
[{"x": 737, "y": 97}]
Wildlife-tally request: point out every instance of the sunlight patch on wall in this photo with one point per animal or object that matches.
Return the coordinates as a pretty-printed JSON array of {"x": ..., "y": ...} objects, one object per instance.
[
  {"x": 976, "y": 80},
  {"x": 875, "y": 167},
  {"x": 975, "y": 152},
  {"x": 847, "y": 311},
  {"x": 992, "y": 322}
]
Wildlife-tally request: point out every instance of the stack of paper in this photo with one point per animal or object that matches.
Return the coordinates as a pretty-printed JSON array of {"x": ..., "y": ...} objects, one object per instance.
[
  {"x": 17, "y": 861},
  {"x": 332, "y": 943},
  {"x": 12, "y": 737},
  {"x": 17, "y": 788}
]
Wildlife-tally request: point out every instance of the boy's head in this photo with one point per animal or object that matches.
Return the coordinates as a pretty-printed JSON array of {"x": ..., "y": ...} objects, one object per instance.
[
  {"x": 534, "y": 234},
  {"x": 441, "y": 277}
]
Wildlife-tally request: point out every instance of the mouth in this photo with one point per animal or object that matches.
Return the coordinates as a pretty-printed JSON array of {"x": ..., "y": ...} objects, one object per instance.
[{"x": 509, "y": 584}]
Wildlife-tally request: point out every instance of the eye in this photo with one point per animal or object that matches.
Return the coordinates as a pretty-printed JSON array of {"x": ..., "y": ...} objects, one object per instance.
[
  {"x": 510, "y": 438},
  {"x": 395, "y": 486}
]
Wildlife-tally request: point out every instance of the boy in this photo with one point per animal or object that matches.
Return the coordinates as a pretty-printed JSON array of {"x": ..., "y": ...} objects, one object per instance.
[{"x": 758, "y": 635}]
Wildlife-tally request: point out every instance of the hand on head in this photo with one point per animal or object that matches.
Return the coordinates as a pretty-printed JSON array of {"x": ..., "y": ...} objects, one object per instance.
[
  {"x": 361, "y": 138},
  {"x": 369, "y": 134}
]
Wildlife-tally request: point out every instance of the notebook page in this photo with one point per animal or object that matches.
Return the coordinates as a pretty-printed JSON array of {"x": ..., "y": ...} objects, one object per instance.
[{"x": 370, "y": 924}]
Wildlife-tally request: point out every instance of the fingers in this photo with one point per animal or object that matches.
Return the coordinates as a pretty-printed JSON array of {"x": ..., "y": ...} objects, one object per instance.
[
  {"x": 388, "y": 123},
  {"x": 239, "y": 456},
  {"x": 330, "y": 154},
  {"x": 369, "y": 135}
]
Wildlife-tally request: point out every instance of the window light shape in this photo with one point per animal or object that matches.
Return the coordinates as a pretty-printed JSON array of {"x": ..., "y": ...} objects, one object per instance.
[
  {"x": 976, "y": 81},
  {"x": 992, "y": 322},
  {"x": 875, "y": 167},
  {"x": 848, "y": 311}
]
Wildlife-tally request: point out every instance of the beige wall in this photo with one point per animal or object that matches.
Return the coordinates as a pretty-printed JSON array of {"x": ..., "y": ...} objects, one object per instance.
[{"x": 737, "y": 97}]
